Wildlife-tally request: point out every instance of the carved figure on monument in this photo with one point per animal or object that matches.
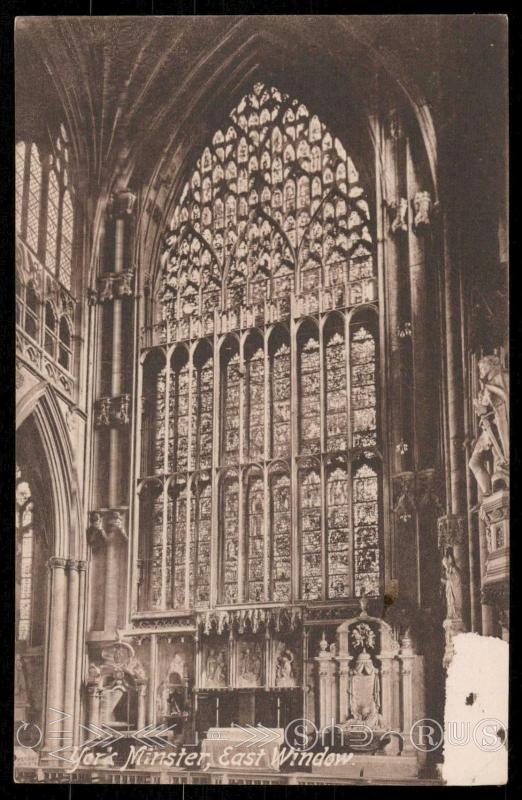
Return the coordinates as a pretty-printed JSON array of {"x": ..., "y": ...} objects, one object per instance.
[
  {"x": 250, "y": 665},
  {"x": 452, "y": 582},
  {"x": 491, "y": 406},
  {"x": 285, "y": 675}
]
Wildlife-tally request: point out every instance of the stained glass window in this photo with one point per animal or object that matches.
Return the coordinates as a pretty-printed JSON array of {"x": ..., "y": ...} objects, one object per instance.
[
  {"x": 202, "y": 394},
  {"x": 338, "y": 521},
  {"x": 280, "y": 400},
  {"x": 310, "y": 405},
  {"x": 179, "y": 413},
  {"x": 281, "y": 562},
  {"x": 255, "y": 428},
  {"x": 267, "y": 255},
  {"x": 363, "y": 382},
  {"x": 231, "y": 408},
  {"x": 256, "y": 540},
  {"x": 230, "y": 524},
  {"x": 310, "y": 513},
  {"x": 180, "y": 511},
  {"x": 336, "y": 397},
  {"x": 366, "y": 532},
  {"x": 202, "y": 557}
]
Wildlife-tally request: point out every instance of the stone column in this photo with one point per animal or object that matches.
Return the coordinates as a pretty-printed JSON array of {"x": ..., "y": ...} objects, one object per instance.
[
  {"x": 56, "y": 654},
  {"x": 71, "y": 640},
  {"x": 344, "y": 676},
  {"x": 80, "y": 640},
  {"x": 386, "y": 689},
  {"x": 122, "y": 206},
  {"x": 406, "y": 657},
  {"x": 151, "y": 705},
  {"x": 325, "y": 669},
  {"x": 113, "y": 594},
  {"x": 94, "y": 695},
  {"x": 142, "y": 705}
]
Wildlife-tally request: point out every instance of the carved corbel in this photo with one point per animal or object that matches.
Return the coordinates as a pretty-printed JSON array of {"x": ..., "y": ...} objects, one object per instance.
[
  {"x": 102, "y": 412},
  {"x": 399, "y": 216},
  {"x": 423, "y": 211},
  {"x": 120, "y": 409},
  {"x": 95, "y": 531},
  {"x": 114, "y": 524}
]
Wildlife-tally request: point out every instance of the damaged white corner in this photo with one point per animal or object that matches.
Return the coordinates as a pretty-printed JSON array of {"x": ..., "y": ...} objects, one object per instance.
[{"x": 476, "y": 712}]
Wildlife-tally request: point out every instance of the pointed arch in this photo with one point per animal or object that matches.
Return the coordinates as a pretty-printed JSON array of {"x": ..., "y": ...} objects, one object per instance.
[{"x": 41, "y": 402}]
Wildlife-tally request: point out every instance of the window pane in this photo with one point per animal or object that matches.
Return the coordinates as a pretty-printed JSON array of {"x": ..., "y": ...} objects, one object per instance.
[
  {"x": 20, "y": 169},
  {"x": 35, "y": 193},
  {"x": 53, "y": 201},
  {"x": 66, "y": 242}
]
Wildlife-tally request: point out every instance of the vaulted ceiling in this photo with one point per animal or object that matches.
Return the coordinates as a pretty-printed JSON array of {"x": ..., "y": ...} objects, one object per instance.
[{"x": 140, "y": 95}]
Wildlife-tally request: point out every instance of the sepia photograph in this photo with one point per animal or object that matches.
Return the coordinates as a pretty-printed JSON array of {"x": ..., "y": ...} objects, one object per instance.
[{"x": 262, "y": 400}]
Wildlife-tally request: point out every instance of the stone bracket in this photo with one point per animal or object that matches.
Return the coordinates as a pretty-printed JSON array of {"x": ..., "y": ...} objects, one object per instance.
[{"x": 110, "y": 411}]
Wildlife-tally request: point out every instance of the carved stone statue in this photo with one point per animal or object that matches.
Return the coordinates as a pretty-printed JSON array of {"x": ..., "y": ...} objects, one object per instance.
[
  {"x": 285, "y": 675},
  {"x": 453, "y": 586},
  {"x": 491, "y": 406}
]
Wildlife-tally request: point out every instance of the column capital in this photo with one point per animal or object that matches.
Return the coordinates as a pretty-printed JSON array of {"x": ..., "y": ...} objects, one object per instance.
[{"x": 56, "y": 562}]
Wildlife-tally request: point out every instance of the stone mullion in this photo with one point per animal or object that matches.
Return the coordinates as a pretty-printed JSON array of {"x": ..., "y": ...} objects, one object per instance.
[
  {"x": 322, "y": 414},
  {"x": 151, "y": 711},
  {"x": 190, "y": 467},
  {"x": 349, "y": 471},
  {"x": 294, "y": 475},
  {"x": 242, "y": 489},
  {"x": 267, "y": 533},
  {"x": 215, "y": 549},
  {"x": 164, "y": 531}
]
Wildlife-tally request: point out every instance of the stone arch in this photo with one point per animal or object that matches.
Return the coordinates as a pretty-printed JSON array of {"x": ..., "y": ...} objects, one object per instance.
[{"x": 41, "y": 403}]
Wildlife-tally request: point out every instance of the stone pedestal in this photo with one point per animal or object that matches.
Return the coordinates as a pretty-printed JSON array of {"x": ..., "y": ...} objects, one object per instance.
[{"x": 494, "y": 512}]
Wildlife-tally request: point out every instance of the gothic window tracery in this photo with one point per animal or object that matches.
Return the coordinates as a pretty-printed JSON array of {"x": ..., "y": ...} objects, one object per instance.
[
  {"x": 272, "y": 223},
  {"x": 44, "y": 204}
]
